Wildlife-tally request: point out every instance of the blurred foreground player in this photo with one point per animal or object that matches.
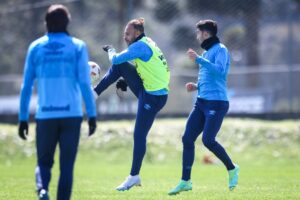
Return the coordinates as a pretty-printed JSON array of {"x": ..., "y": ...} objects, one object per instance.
[{"x": 59, "y": 65}]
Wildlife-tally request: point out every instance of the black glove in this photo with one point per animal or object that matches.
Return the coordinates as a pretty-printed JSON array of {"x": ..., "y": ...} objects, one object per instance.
[
  {"x": 23, "y": 129},
  {"x": 121, "y": 84},
  {"x": 92, "y": 125},
  {"x": 106, "y": 48}
]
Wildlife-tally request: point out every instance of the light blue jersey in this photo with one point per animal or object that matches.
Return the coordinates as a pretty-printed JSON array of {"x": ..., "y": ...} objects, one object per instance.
[
  {"x": 59, "y": 64},
  {"x": 136, "y": 50},
  {"x": 213, "y": 69}
]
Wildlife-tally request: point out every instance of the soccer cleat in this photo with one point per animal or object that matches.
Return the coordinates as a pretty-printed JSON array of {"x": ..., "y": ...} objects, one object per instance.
[
  {"x": 129, "y": 182},
  {"x": 233, "y": 177},
  {"x": 43, "y": 195},
  {"x": 182, "y": 186}
]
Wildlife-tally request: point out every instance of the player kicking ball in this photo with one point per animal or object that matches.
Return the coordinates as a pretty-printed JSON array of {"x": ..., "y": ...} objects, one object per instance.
[
  {"x": 211, "y": 105},
  {"x": 148, "y": 79}
]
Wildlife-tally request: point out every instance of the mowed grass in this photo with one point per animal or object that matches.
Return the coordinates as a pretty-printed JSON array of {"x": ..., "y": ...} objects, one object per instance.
[{"x": 267, "y": 152}]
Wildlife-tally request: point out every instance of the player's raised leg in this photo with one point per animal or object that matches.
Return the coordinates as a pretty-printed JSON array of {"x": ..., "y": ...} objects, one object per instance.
[{"x": 125, "y": 70}]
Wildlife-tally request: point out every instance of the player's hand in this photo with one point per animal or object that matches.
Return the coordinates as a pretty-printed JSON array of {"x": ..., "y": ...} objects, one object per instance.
[
  {"x": 92, "y": 125},
  {"x": 106, "y": 47},
  {"x": 190, "y": 87},
  {"x": 192, "y": 54},
  {"x": 23, "y": 129},
  {"x": 121, "y": 84}
]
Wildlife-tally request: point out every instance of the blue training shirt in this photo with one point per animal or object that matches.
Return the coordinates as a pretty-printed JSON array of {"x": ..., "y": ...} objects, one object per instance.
[
  {"x": 139, "y": 50},
  {"x": 136, "y": 50},
  {"x": 213, "y": 69},
  {"x": 59, "y": 64}
]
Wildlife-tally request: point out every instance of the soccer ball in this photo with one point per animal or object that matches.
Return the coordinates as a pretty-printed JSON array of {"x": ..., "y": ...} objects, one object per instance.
[{"x": 95, "y": 72}]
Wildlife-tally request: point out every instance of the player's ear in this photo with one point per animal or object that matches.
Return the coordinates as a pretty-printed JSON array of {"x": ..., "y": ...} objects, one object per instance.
[
  {"x": 207, "y": 34},
  {"x": 137, "y": 33}
]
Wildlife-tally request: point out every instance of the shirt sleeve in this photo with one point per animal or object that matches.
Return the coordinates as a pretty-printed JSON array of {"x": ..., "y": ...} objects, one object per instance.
[
  {"x": 220, "y": 65},
  {"x": 136, "y": 50},
  {"x": 27, "y": 86},
  {"x": 85, "y": 81}
]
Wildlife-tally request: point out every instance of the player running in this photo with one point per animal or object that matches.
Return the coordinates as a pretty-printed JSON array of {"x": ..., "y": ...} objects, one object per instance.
[{"x": 211, "y": 105}]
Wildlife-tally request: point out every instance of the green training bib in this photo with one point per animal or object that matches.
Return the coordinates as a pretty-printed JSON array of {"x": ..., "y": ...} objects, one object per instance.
[{"x": 154, "y": 73}]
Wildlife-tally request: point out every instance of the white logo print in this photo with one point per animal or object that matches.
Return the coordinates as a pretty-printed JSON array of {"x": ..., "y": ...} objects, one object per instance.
[
  {"x": 212, "y": 112},
  {"x": 147, "y": 106}
]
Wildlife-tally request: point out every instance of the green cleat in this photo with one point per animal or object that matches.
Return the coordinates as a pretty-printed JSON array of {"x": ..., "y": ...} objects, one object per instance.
[
  {"x": 182, "y": 186},
  {"x": 233, "y": 177}
]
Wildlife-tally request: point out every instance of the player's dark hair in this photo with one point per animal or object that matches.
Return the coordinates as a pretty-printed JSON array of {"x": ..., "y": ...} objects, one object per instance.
[
  {"x": 138, "y": 24},
  {"x": 209, "y": 26},
  {"x": 57, "y": 18}
]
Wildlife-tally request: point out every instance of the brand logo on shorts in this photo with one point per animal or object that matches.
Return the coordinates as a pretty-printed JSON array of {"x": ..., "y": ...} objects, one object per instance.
[
  {"x": 212, "y": 112},
  {"x": 147, "y": 106}
]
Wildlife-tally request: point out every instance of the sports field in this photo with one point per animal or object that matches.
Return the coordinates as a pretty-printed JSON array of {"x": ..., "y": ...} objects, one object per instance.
[{"x": 267, "y": 152}]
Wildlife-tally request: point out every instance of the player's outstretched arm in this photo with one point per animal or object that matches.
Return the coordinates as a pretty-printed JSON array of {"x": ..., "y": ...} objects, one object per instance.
[{"x": 110, "y": 50}]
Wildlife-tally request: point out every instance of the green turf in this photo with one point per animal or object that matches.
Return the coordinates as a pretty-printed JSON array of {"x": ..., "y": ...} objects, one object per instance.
[{"x": 267, "y": 152}]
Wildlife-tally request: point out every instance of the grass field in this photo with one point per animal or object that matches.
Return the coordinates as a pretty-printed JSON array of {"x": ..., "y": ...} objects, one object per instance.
[{"x": 267, "y": 152}]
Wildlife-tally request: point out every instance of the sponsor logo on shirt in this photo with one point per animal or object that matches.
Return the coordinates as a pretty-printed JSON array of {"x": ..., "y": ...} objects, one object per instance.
[
  {"x": 54, "y": 46},
  {"x": 55, "y": 108}
]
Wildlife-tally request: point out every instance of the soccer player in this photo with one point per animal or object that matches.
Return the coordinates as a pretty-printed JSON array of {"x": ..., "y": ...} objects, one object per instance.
[
  {"x": 148, "y": 79},
  {"x": 59, "y": 64},
  {"x": 211, "y": 105}
]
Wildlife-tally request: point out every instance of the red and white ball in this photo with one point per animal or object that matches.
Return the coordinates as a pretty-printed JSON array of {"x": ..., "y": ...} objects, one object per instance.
[{"x": 95, "y": 70}]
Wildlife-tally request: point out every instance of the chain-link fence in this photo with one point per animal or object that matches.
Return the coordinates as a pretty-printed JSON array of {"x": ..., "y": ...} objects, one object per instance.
[{"x": 260, "y": 35}]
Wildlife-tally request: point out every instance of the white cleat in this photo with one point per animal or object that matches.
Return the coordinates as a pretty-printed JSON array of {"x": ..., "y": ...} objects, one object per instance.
[{"x": 129, "y": 182}]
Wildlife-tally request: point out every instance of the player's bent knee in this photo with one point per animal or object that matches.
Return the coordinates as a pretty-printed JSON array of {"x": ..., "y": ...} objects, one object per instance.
[
  {"x": 45, "y": 163},
  {"x": 208, "y": 143},
  {"x": 188, "y": 143}
]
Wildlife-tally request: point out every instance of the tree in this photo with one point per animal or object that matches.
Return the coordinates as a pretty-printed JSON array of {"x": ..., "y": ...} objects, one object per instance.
[
  {"x": 249, "y": 10},
  {"x": 20, "y": 24},
  {"x": 166, "y": 10},
  {"x": 184, "y": 37}
]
